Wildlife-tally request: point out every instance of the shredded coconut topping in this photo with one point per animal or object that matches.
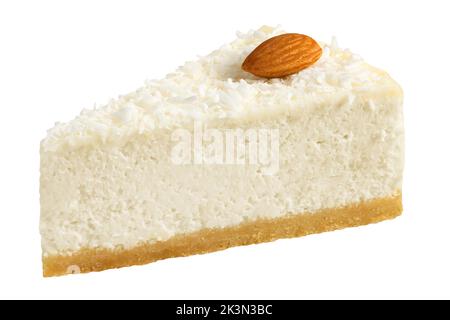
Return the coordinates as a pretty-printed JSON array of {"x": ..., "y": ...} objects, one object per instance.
[{"x": 214, "y": 87}]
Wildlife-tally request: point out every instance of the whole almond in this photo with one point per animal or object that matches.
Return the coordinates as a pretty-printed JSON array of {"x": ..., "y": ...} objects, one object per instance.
[{"x": 282, "y": 55}]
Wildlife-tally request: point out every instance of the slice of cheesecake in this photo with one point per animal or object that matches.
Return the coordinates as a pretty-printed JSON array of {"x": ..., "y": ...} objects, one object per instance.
[{"x": 212, "y": 157}]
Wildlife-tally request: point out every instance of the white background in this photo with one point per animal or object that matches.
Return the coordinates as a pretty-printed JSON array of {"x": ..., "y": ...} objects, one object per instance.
[{"x": 57, "y": 57}]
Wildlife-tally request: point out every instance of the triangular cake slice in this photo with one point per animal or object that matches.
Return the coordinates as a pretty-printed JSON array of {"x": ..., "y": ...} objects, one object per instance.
[{"x": 212, "y": 157}]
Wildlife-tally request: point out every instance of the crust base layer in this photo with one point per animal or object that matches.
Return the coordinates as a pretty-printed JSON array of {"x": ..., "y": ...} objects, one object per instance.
[{"x": 209, "y": 240}]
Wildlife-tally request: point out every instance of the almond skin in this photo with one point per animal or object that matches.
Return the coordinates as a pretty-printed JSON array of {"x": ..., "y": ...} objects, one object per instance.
[{"x": 282, "y": 56}]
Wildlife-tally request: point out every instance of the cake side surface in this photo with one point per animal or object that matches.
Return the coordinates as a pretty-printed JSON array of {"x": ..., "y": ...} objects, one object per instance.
[{"x": 330, "y": 155}]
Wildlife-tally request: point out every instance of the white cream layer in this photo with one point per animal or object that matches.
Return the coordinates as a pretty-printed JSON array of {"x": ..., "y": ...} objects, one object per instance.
[{"x": 109, "y": 196}]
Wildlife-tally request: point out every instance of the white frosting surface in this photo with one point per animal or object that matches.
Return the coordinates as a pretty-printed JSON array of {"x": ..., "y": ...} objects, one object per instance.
[{"x": 215, "y": 87}]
